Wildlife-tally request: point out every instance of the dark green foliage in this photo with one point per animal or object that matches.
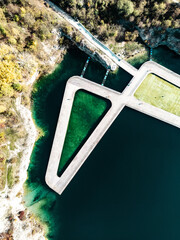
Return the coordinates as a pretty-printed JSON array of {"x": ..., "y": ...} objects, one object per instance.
[
  {"x": 95, "y": 13},
  {"x": 2, "y": 31}
]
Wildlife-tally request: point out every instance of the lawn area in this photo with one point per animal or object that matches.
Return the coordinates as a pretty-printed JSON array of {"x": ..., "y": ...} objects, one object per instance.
[
  {"x": 86, "y": 113},
  {"x": 159, "y": 93}
]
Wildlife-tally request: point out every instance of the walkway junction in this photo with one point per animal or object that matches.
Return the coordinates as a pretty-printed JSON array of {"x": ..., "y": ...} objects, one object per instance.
[{"x": 118, "y": 102}]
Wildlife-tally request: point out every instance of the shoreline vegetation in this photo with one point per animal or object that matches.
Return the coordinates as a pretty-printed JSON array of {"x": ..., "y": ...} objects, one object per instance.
[
  {"x": 33, "y": 39},
  {"x": 117, "y": 21},
  {"x": 25, "y": 56}
]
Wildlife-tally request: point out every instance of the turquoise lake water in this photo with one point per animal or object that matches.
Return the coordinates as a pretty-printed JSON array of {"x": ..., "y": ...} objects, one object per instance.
[{"x": 129, "y": 187}]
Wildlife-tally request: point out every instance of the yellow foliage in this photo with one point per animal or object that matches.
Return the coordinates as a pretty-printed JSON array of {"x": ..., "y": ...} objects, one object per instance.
[
  {"x": 12, "y": 40},
  {"x": 2, "y": 120},
  {"x": 9, "y": 73},
  {"x": 2, "y": 135},
  {"x": 4, "y": 50},
  {"x": 168, "y": 23},
  {"x": 6, "y": 90},
  {"x": 162, "y": 6},
  {"x": 9, "y": 57},
  {"x": 2, "y": 109},
  {"x": 2, "y": 16},
  {"x": 23, "y": 11}
]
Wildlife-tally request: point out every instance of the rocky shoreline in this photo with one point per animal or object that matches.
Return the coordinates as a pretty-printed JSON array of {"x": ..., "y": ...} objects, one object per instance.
[
  {"x": 155, "y": 37},
  {"x": 18, "y": 222}
]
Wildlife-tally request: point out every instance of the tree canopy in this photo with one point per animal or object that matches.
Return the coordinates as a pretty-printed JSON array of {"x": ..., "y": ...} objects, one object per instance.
[{"x": 125, "y": 7}]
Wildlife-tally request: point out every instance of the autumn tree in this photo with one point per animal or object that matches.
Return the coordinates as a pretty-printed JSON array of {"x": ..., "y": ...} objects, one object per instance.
[
  {"x": 9, "y": 74},
  {"x": 125, "y": 7}
]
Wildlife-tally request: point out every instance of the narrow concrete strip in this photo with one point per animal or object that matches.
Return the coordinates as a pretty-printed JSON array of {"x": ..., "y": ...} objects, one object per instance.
[
  {"x": 147, "y": 68},
  {"x": 152, "y": 111},
  {"x": 93, "y": 40},
  {"x": 61, "y": 129},
  {"x": 163, "y": 72},
  {"x": 126, "y": 66}
]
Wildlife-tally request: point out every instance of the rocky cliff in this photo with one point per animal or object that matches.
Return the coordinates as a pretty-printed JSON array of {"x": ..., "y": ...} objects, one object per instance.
[{"x": 154, "y": 37}]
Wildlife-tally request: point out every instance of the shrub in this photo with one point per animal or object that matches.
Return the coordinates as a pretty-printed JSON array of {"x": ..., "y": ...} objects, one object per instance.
[
  {"x": 16, "y": 18},
  {"x": 2, "y": 108},
  {"x": 17, "y": 87},
  {"x": 2, "y": 137},
  {"x": 6, "y": 90},
  {"x": 12, "y": 40},
  {"x": 3, "y": 31}
]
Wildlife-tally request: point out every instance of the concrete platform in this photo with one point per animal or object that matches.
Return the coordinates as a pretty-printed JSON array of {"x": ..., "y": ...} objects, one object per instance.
[{"x": 118, "y": 101}]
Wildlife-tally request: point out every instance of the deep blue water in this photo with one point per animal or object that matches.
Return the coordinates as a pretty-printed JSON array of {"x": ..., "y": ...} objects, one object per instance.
[{"x": 129, "y": 187}]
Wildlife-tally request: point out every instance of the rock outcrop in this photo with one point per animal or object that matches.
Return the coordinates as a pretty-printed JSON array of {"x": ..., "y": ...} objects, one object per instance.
[{"x": 154, "y": 37}]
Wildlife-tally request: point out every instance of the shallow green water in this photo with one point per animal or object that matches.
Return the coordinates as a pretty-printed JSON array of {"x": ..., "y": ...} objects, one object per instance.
[
  {"x": 128, "y": 188},
  {"x": 87, "y": 111}
]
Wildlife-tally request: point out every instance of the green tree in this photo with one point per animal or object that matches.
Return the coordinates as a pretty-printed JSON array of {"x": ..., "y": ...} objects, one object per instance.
[
  {"x": 167, "y": 23},
  {"x": 67, "y": 29},
  {"x": 3, "y": 31},
  {"x": 125, "y": 7},
  {"x": 2, "y": 137},
  {"x": 17, "y": 87},
  {"x": 72, "y": 3}
]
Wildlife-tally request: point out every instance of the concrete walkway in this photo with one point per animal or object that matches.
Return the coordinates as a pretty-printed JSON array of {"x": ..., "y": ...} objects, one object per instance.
[
  {"x": 58, "y": 184},
  {"x": 151, "y": 67},
  {"x": 118, "y": 101},
  {"x": 93, "y": 40},
  {"x": 152, "y": 111}
]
